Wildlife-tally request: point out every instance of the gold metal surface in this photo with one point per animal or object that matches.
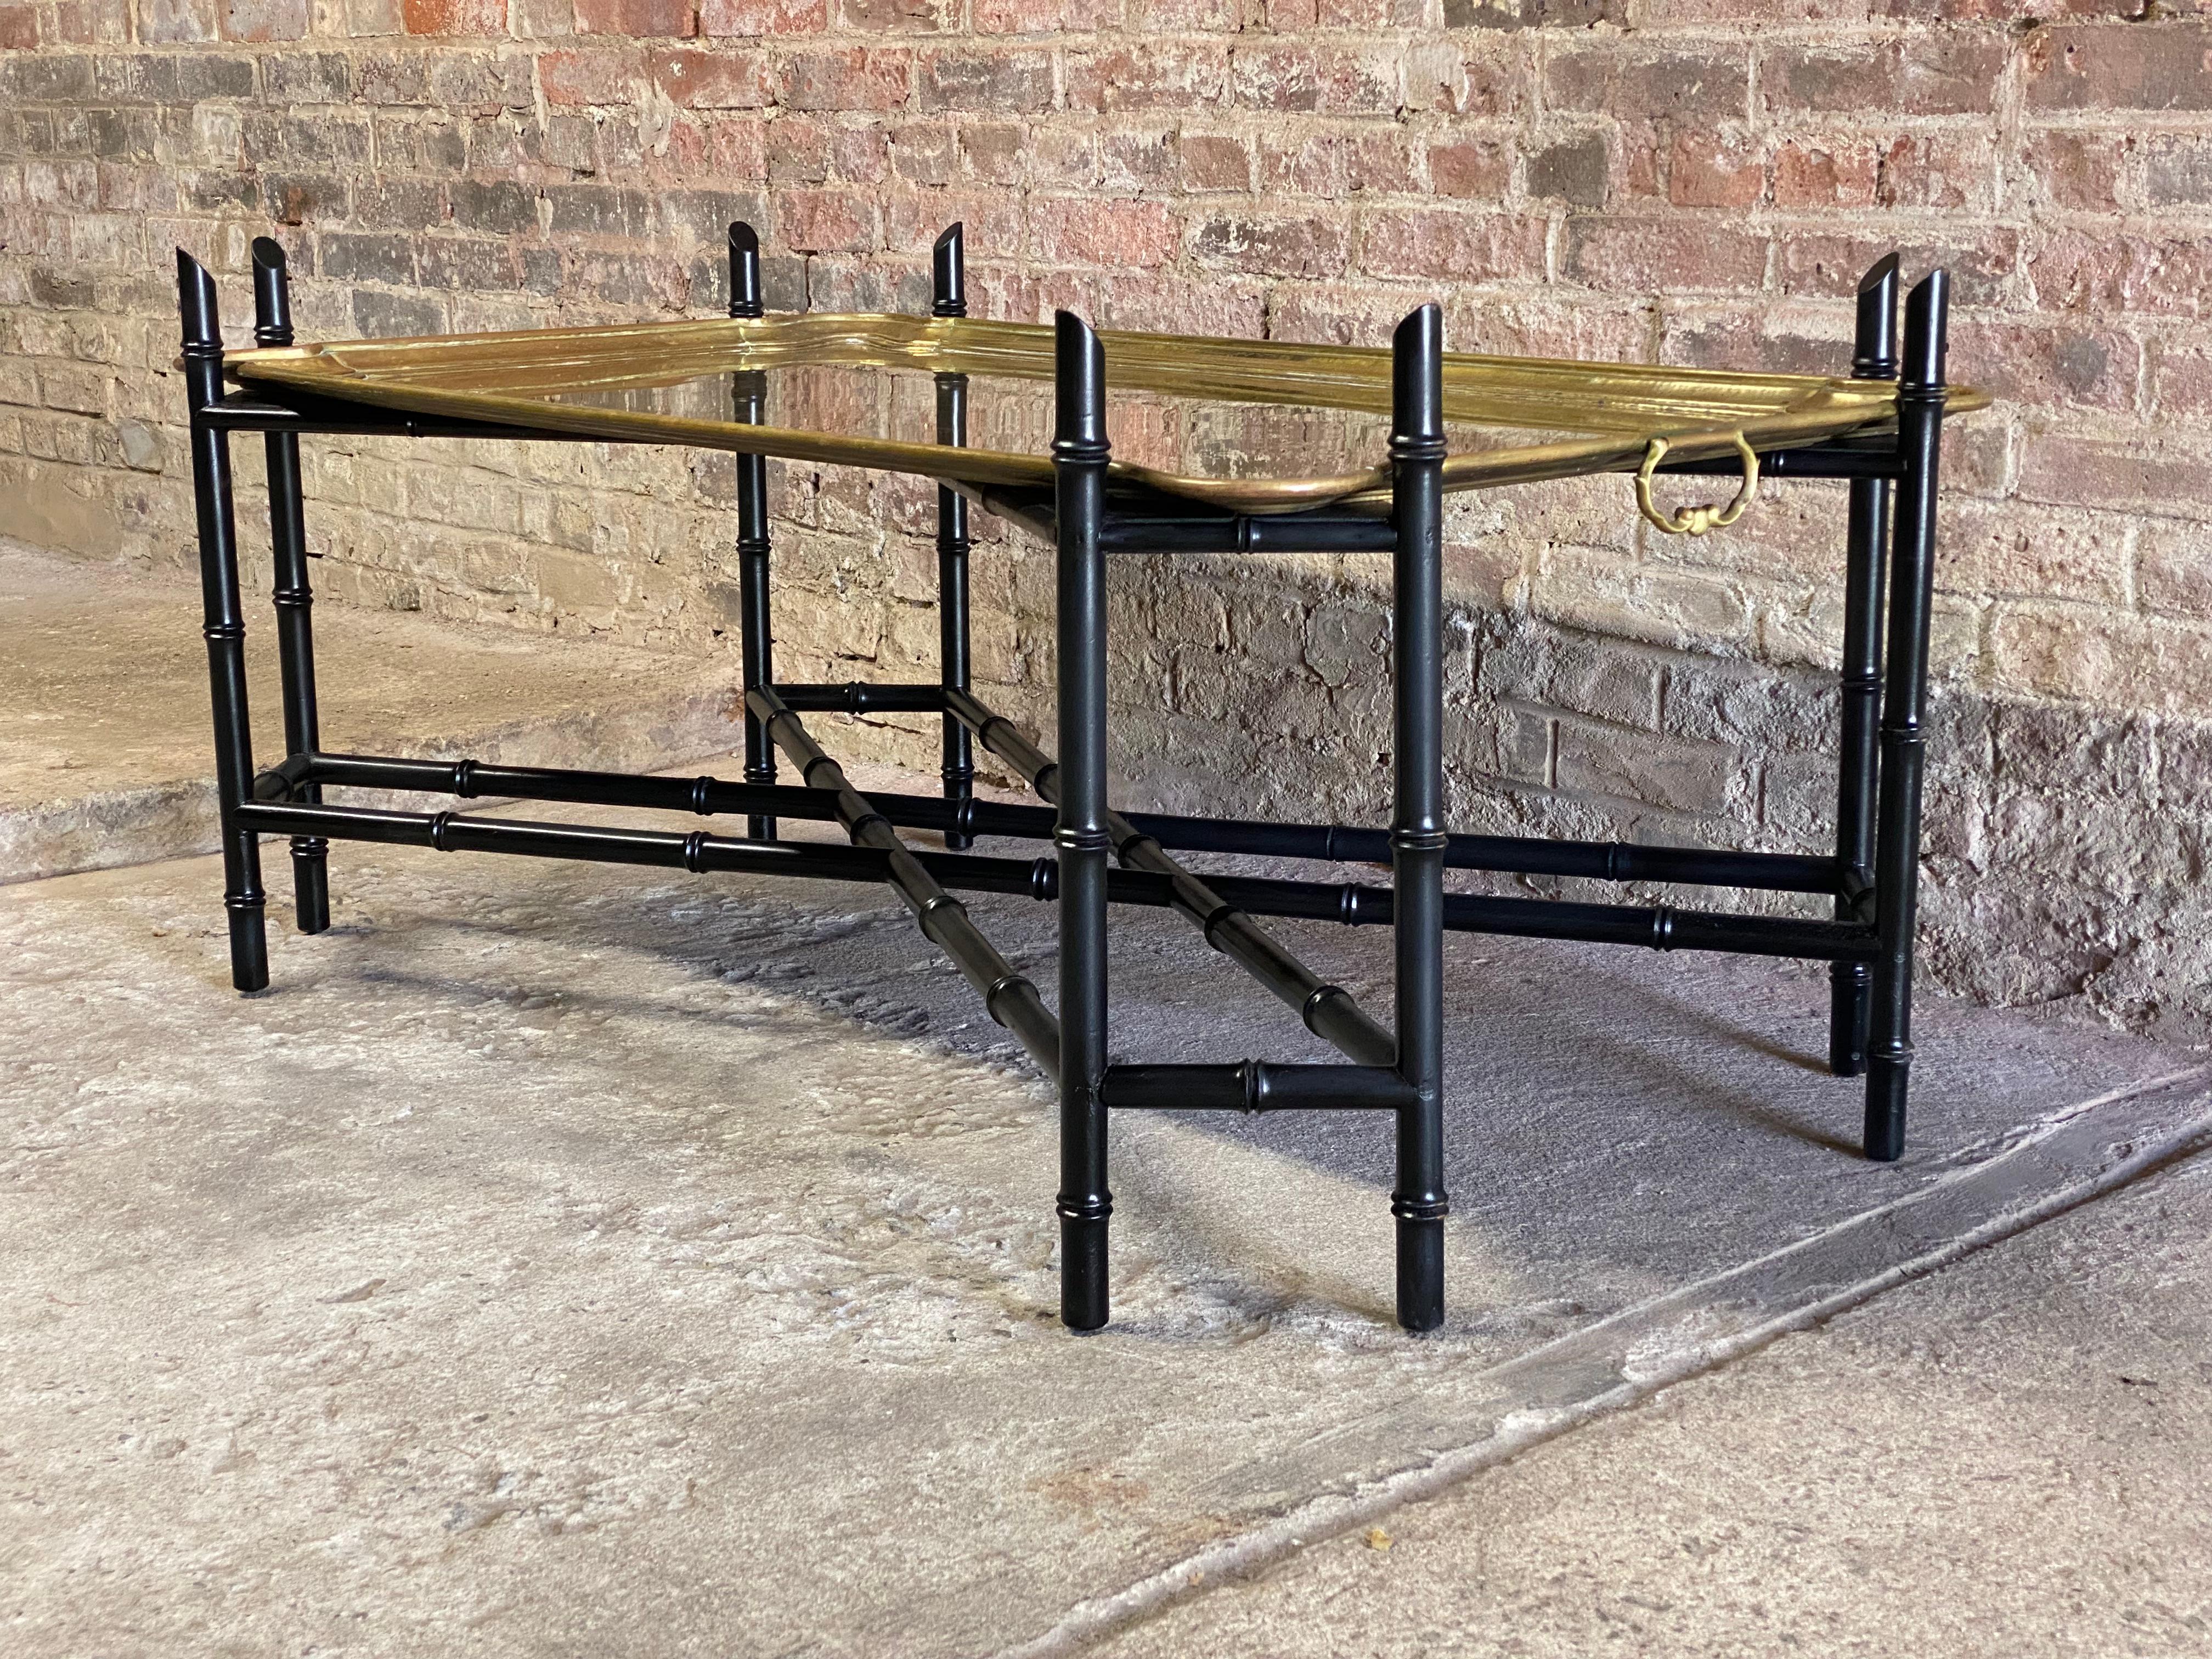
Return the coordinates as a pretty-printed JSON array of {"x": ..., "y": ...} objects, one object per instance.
[
  {"x": 1610, "y": 411},
  {"x": 1695, "y": 520}
]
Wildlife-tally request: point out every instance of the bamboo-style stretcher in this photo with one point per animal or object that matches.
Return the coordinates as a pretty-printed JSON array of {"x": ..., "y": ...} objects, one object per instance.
[{"x": 1229, "y": 446}]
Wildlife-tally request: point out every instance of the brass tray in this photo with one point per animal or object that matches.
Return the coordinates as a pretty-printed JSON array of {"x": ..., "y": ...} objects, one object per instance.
[{"x": 1248, "y": 426}]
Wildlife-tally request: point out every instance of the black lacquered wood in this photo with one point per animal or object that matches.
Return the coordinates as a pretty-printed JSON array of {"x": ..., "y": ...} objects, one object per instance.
[
  {"x": 302, "y": 414},
  {"x": 1417, "y": 834},
  {"x": 748, "y": 403},
  {"x": 1291, "y": 533},
  {"x": 1008, "y": 997},
  {"x": 861, "y": 697},
  {"x": 1855, "y": 460},
  {"x": 294, "y": 594},
  {"x": 1873, "y": 356},
  {"x": 949, "y": 298},
  {"x": 1904, "y": 707},
  {"x": 1332, "y": 844},
  {"x": 223, "y": 624},
  {"x": 1351, "y": 903},
  {"x": 1255, "y": 1085},
  {"x": 451, "y": 832},
  {"x": 1330, "y": 1011},
  {"x": 1079, "y": 456}
]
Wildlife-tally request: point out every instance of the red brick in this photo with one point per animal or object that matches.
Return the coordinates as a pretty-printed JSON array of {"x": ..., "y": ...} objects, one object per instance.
[
  {"x": 2075, "y": 169},
  {"x": 1576, "y": 169},
  {"x": 1834, "y": 173},
  {"x": 860, "y": 155},
  {"x": 1215, "y": 162},
  {"x": 1453, "y": 243},
  {"x": 1944, "y": 169},
  {"x": 1046, "y": 16},
  {"x": 2174, "y": 567},
  {"x": 994, "y": 152},
  {"x": 827, "y": 221},
  {"x": 1609, "y": 78},
  {"x": 737, "y": 149},
  {"x": 1293, "y": 245},
  {"x": 1714, "y": 170},
  {"x": 1655, "y": 13},
  {"x": 1371, "y": 15},
  {"x": 1315, "y": 80},
  {"x": 847, "y": 78},
  {"x": 1062, "y": 158},
  {"x": 1162, "y": 17},
  {"x": 2183, "y": 387},
  {"x": 90, "y": 22},
  {"x": 601, "y": 78},
  {"x": 2178, "y": 170},
  {"x": 1480, "y": 168},
  {"x": 1331, "y": 164},
  {"x": 991, "y": 82},
  {"x": 19, "y": 28},
  {"x": 1918, "y": 169},
  {"x": 1610, "y": 329},
  {"x": 869, "y": 17},
  {"x": 2104, "y": 272},
  {"x": 798, "y": 151},
  {"x": 175, "y": 22},
  {"x": 483, "y": 17},
  {"x": 2009, "y": 548},
  {"x": 454, "y": 16},
  {"x": 643, "y": 19},
  {"x": 1496, "y": 80},
  {"x": 1076, "y": 231},
  {"x": 693, "y": 79},
  {"x": 1952, "y": 72},
  {"x": 1723, "y": 335},
  {"x": 925, "y": 152},
  {"x": 2153, "y": 475},
  {"x": 752, "y": 18},
  {"x": 2119, "y": 65},
  {"x": 1161, "y": 77},
  {"x": 1981, "y": 263},
  {"x": 1664, "y": 255},
  {"x": 913, "y": 219},
  {"x": 2047, "y": 367},
  {"x": 2079, "y": 650},
  {"x": 1137, "y": 163}
]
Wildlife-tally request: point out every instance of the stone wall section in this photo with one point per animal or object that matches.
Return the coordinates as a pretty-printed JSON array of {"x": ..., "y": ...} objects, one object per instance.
[{"x": 1686, "y": 181}]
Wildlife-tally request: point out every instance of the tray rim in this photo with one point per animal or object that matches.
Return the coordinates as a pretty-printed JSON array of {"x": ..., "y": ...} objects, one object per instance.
[{"x": 1822, "y": 407}]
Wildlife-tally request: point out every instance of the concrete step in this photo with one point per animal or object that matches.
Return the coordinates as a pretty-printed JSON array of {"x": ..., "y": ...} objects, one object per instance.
[{"x": 105, "y": 751}]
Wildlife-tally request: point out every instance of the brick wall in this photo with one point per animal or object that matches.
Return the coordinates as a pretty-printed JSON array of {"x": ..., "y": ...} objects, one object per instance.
[{"x": 1696, "y": 181}]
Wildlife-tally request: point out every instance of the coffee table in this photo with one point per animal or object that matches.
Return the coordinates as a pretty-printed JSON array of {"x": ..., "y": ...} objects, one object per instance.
[{"x": 1226, "y": 446}]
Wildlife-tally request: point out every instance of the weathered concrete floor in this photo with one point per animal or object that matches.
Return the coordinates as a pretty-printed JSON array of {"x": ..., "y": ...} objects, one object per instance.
[
  {"x": 105, "y": 755},
  {"x": 567, "y": 1259},
  {"x": 2008, "y": 1459},
  {"x": 563, "y": 1259}
]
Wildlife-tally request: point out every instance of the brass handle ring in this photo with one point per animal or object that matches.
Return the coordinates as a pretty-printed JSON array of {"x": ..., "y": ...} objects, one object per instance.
[{"x": 1696, "y": 520}]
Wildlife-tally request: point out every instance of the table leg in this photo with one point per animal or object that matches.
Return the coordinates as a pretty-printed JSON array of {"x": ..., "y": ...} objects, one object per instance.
[
  {"x": 1897, "y": 852},
  {"x": 1417, "y": 835},
  {"x": 949, "y": 298},
  {"x": 294, "y": 597},
  {"x": 224, "y": 624},
  {"x": 1079, "y": 456},
  {"x": 1873, "y": 357},
  {"x": 748, "y": 397}
]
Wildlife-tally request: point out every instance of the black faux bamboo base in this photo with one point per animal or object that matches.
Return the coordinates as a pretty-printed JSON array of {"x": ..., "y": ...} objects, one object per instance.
[
  {"x": 1396, "y": 1066},
  {"x": 275, "y": 810}
]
